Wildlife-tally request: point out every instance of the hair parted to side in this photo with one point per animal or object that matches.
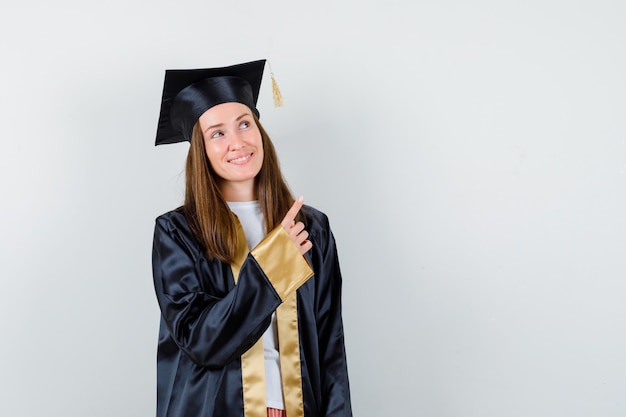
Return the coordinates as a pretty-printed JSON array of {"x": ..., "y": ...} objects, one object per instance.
[{"x": 207, "y": 212}]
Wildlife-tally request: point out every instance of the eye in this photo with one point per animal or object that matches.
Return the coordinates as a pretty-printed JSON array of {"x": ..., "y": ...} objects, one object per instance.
[
  {"x": 244, "y": 125},
  {"x": 216, "y": 134}
]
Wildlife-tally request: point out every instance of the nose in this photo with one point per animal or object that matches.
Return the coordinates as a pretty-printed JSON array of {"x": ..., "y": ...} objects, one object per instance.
[{"x": 236, "y": 141}]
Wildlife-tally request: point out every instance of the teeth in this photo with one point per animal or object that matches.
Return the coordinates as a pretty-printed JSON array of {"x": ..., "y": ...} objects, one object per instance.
[{"x": 243, "y": 158}]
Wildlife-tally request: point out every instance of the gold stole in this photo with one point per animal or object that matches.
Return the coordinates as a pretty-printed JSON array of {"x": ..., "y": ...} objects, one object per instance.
[{"x": 286, "y": 277}]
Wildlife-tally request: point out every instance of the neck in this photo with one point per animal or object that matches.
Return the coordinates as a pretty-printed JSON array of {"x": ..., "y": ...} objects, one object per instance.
[{"x": 238, "y": 191}]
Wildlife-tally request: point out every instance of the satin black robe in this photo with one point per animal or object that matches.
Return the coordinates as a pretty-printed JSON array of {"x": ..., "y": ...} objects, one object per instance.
[{"x": 208, "y": 322}]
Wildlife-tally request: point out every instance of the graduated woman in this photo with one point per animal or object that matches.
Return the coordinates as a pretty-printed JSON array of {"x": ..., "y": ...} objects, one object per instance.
[{"x": 246, "y": 277}]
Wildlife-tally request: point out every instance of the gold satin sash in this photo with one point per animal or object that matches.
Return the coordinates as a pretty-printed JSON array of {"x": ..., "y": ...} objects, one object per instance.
[
  {"x": 253, "y": 360},
  {"x": 289, "y": 347},
  {"x": 286, "y": 273}
]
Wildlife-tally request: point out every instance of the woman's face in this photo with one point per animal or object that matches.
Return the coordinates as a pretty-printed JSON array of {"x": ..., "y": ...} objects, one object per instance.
[{"x": 233, "y": 144}]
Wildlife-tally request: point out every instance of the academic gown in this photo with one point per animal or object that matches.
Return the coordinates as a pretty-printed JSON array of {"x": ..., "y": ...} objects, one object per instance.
[{"x": 208, "y": 322}]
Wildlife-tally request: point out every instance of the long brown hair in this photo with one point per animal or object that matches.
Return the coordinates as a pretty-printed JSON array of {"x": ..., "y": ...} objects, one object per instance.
[{"x": 206, "y": 210}]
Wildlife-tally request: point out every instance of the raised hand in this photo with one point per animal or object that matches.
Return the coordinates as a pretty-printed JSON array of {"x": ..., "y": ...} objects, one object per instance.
[{"x": 296, "y": 231}]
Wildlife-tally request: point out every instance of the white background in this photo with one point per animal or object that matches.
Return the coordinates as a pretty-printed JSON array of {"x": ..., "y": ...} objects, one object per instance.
[{"x": 471, "y": 157}]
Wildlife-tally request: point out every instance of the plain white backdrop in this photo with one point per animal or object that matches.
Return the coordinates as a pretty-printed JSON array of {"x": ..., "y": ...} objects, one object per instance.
[{"x": 471, "y": 157}]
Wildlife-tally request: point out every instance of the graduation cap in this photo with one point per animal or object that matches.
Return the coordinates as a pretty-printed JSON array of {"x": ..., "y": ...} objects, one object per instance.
[{"x": 187, "y": 94}]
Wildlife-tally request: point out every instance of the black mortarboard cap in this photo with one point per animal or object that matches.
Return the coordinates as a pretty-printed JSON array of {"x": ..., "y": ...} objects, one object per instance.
[{"x": 187, "y": 94}]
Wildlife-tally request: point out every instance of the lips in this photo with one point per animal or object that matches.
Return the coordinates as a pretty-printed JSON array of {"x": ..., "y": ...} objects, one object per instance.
[{"x": 240, "y": 160}]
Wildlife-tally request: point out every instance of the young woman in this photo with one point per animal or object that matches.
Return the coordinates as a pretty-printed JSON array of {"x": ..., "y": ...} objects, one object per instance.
[{"x": 246, "y": 277}]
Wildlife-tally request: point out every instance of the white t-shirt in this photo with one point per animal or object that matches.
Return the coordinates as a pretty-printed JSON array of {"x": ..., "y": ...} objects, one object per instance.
[{"x": 251, "y": 218}]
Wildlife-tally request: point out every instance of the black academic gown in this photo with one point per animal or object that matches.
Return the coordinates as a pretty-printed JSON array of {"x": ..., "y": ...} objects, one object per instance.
[{"x": 208, "y": 322}]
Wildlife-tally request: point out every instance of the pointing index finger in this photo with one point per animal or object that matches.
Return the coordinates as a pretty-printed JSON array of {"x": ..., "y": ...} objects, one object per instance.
[{"x": 293, "y": 211}]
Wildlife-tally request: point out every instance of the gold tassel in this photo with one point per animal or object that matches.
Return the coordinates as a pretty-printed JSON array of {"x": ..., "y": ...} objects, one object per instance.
[{"x": 278, "y": 97}]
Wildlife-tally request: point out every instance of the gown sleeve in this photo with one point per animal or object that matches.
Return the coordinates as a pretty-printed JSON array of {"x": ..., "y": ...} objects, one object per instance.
[
  {"x": 333, "y": 364},
  {"x": 215, "y": 327}
]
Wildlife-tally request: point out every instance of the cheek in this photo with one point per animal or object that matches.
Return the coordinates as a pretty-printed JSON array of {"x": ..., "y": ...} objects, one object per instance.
[
  {"x": 255, "y": 138},
  {"x": 213, "y": 151},
  {"x": 214, "y": 156},
  {"x": 259, "y": 143},
  {"x": 260, "y": 152}
]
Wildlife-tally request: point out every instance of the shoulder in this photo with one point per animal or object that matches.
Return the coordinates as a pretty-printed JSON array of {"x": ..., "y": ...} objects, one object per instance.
[
  {"x": 316, "y": 221},
  {"x": 317, "y": 224},
  {"x": 173, "y": 231},
  {"x": 173, "y": 219},
  {"x": 314, "y": 215},
  {"x": 174, "y": 222}
]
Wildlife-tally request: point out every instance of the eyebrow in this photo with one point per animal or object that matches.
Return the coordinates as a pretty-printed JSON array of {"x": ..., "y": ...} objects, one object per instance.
[{"x": 222, "y": 124}]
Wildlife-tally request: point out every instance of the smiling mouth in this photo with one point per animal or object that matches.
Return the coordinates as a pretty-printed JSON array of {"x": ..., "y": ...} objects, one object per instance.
[{"x": 241, "y": 159}]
